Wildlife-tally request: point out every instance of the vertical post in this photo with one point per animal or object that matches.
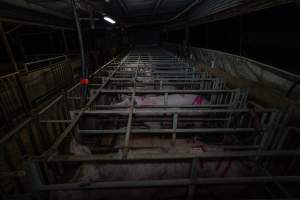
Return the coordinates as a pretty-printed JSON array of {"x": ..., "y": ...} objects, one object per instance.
[
  {"x": 92, "y": 19},
  {"x": 34, "y": 171},
  {"x": 241, "y": 35},
  {"x": 193, "y": 176},
  {"x": 23, "y": 92},
  {"x": 66, "y": 47},
  {"x": 167, "y": 34},
  {"x": 175, "y": 119},
  {"x": 21, "y": 45},
  {"x": 83, "y": 75},
  {"x": 187, "y": 32},
  {"x": 7, "y": 46},
  {"x": 186, "y": 53},
  {"x": 130, "y": 116}
]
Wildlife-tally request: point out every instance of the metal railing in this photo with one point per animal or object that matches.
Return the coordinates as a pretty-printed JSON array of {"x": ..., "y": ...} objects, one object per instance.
[
  {"x": 225, "y": 115},
  {"x": 43, "y": 63},
  {"x": 14, "y": 103},
  {"x": 259, "y": 127}
]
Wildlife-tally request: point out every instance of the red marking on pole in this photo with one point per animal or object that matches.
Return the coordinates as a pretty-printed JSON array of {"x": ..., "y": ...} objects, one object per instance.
[{"x": 84, "y": 81}]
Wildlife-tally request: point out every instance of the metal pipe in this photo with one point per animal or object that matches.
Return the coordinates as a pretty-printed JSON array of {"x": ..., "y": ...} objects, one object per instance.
[
  {"x": 169, "y": 183},
  {"x": 168, "y": 131},
  {"x": 171, "y": 156},
  {"x": 7, "y": 47},
  {"x": 83, "y": 74}
]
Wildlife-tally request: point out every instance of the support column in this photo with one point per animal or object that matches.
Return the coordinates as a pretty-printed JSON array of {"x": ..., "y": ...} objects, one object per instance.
[
  {"x": 7, "y": 47},
  {"x": 187, "y": 31},
  {"x": 21, "y": 45},
  {"x": 83, "y": 73},
  {"x": 66, "y": 47},
  {"x": 241, "y": 36},
  {"x": 167, "y": 34}
]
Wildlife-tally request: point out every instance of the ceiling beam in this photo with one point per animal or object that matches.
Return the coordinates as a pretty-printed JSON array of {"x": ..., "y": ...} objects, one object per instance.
[
  {"x": 16, "y": 21},
  {"x": 36, "y": 8},
  {"x": 247, "y": 7},
  {"x": 157, "y": 5},
  {"x": 187, "y": 9},
  {"x": 124, "y": 6}
]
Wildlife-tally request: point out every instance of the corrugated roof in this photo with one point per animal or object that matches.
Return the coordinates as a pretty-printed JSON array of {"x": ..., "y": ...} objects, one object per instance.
[{"x": 146, "y": 11}]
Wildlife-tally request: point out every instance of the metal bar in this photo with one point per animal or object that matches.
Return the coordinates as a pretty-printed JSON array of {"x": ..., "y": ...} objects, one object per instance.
[
  {"x": 157, "y": 5},
  {"x": 171, "y": 156},
  {"x": 175, "y": 120},
  {"x": 123, "y": 5},
  {"x": 45, "y": 60},
  {"x": 193, "y": 176},
  {"x": 170, "y": 183},
  {"x": 66, "y": 46},
  {"x": 129, "y": 124},
  {"x": 169, "y": 91},
  {"x": 83, "y": 71},
  {"x": 152, "y": 110},
  {"x": 15, "y": 131},
  {"x": 50, "y": 105},
  {"x": 168, "y": 131},
  {"x": 8, "y": 48},
  {"x": 187, "y": 9},
  {"x": 55, "y": 121}
]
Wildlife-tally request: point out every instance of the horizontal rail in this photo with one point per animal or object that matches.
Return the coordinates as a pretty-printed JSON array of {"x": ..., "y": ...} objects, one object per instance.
[
  {"x": 169, "y": 183},
  {"x": 56, "y": 100},
  {"x": 167, "y": 131},
  {"x": 166, "y": 106},
  {"x": 145, "y": 111},
  {"x": 117, "y": 91},
  {"x": 44, "y": 60},
  {"x": 163, "y": 157},
  {"x": 9, "y": 75},
  {"x": 15, "y": 131}
]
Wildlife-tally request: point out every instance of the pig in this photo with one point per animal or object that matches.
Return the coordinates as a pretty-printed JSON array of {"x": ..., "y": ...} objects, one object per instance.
[
  {"x": 89, "y": 173},
  {"x": 173, "y": 100}
]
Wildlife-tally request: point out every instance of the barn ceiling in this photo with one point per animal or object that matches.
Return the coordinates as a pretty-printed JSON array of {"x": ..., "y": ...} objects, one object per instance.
[{"x": 126, "y": 12}]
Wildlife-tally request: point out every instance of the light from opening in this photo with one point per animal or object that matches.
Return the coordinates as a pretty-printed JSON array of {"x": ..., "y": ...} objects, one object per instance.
[{"x": 110, "y": 20}]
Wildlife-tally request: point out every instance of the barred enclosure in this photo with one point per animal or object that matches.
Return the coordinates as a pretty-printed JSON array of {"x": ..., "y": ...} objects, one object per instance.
[{"x": 154, "y": 126}]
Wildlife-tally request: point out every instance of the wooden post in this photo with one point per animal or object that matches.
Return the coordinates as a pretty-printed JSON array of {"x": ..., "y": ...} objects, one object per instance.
[{"x": 7, "y": 47}]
